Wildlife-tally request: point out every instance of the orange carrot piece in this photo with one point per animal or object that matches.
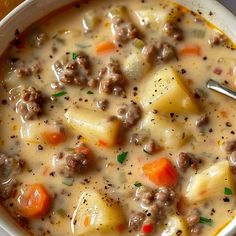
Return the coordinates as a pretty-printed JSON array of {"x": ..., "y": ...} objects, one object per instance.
[
  {"x": 191, "y": 51},
  {"x": 87, "y": 220},
  {"x": 105, "y": 47},
  {"x": 83, "y": 149},
  {"x": 34, "y": 201},
  {"x": 102, "y": 143},
  {"x": 54, "y": 137},
  {"x": 161, "y": 172}
]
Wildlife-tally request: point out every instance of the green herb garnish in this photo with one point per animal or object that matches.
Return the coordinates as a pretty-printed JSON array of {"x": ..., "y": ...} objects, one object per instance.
[
  {"x": 74, "y": 55},
  {"x": 61, "y": 212},
  {"x": 82, "y": 45},
  {"x": 62, "y": 93},
  {"x": 90, "y": 92},
  {"x": 61, "y": 40},
  {"x": 204, "y": 220},
  {"x": 228, "y": 191},
  {"x": 121, "y": 157},
  {"x": 137, "y": 184},
  {"x": 68, "y": 181}
]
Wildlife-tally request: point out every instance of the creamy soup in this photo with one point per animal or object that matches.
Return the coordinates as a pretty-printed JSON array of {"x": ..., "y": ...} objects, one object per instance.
[{"x": 107, "y": 127}]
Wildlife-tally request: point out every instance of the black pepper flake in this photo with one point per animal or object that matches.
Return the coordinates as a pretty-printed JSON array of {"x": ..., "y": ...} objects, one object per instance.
[
  {"x": 226, "y": 199},
  {"x": 40, "y": 147},
  {"x": 183, "y": 71},
  {"x": 228, "y": 124},
  {"x": 4, "y": 102}
]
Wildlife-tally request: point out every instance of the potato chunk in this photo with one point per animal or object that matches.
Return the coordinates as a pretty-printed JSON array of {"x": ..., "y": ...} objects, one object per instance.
[
  {"x": 167, "y": 93},
  {"x": 210, "y": 183},
  {"x": 176, "y": 224},
  {"x": 171, "y": 134},
  {"x": 135, "y": 66},
  {"x": 96, "y": 212},
  {"x": 96, "y": 126}
]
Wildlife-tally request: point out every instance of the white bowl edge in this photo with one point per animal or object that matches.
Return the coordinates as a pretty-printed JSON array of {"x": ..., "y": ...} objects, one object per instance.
[{"x": 32, "y": 10}]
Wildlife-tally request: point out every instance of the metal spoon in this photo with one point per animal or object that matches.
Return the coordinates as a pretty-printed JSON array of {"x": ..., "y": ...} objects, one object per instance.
[{"x": 214, "y": 85}]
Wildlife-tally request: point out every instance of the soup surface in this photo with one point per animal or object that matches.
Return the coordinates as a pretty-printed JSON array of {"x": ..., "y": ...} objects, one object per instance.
[{"x": 107, "y": 127}]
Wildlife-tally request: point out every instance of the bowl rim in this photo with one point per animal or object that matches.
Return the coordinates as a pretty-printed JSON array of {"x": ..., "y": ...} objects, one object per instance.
[{"x": 12, "y": 21}]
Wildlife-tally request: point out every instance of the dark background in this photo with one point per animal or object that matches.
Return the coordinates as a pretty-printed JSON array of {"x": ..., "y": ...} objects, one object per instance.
[{"x": 230, "y": 4}]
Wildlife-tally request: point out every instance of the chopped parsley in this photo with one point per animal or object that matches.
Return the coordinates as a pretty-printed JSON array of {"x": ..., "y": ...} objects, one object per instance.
[
  {"x": 228, "y": 191},
  {"x": 62, "y": 93},
  {"x": 121, "y": 157},
  {"x": 137, "y": 184},
  {"x": 74, "y": 55},
  {"x": 90, "y": 92},
  {"x": 204, "y": 220},
  {"x": 68, "y": 181}
]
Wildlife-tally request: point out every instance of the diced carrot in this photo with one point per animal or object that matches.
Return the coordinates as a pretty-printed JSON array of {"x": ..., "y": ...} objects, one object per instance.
[
  {"x": 194, "y": 50},
  {"x": 87, "y": 220},
  {"x": 120, "y": 228},
  {"x": 102, "y": 143},
  {"x": 83, "y": 149},
  {"x": 161, "y": 172},
  {"x": 34, "y": 201},
  {"x": 105, "y": 47},
  {"x": 54, "y": 137},
  {"x": 183, "y": 9}
]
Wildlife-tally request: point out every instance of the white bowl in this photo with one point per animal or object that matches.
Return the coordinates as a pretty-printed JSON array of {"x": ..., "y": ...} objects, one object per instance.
[{"x": 32, "y": 10}]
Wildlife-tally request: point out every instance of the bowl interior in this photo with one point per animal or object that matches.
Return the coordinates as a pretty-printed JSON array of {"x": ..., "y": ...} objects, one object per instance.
[{"x": 32, "y": 10}]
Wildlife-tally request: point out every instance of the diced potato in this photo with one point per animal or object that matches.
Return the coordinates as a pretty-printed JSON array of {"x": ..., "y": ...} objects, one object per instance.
[
  {"x": 167, "y": 93},
  {"x": 90, "y": 21},
  {"x": 32, "y": 131},
  {"x": 96, "y": 212},
  {"x": 210, "y": 183},
  {"x": 119, "y": 11},
  {"x": 176, "y": 224},
  {"x": 135, "y": 66},
  {"x": 154, "y": 18},
  {"x": 171, "y": 134},
  {"x": 96, "y": 126}
]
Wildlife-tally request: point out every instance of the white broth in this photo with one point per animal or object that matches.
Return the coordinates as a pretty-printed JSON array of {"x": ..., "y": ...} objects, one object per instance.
[{"x": 107, "y": 127}]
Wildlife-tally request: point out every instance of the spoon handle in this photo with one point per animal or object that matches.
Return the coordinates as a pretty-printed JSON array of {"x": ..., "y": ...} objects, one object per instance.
[{"x": 214, "y": 85}]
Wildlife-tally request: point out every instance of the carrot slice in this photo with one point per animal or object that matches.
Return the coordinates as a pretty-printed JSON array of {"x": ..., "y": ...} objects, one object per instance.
[
  {"x": 161, "y": 172},
  {"x": 105, "y": 47},
  {"x": 83, "y": 149},
  {"x": 54, "y": 137},
  {"x": 34, "y": 201},
  {"x": 194, "y": 50}
]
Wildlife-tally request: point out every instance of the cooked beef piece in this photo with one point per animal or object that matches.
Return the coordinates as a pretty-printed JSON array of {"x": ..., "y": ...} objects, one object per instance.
[
  {"x": 229, "y": 146},
  {"x": 158, "y": 54},
  {"x": 193, "y": 221},
  {"x": 10, "y": 167},
  {"x": 186, "y": 160},
  {"x": 129, "y": 114},
  {"x": 40, "y": 39},
  {"x": 102, "y": 104},
  {"x": 123, "y": 30},
  {"x": 151, "y": 147},
  {"x": 30, "y": 106},
  {"x": 172, "y": 30},
  {"x": 164, "y": 196},
  {"x": 202, "y": 121},
  {"x": 232, "y": 161},
  {"x": 136, "y": 220},
  {"x": 138, "y": 138},
  {"x": 75, "y": 72},
  {"x": 25, "y": 71},
  {"x": 144, "y": 195},
  {"x": 111, "y": 79},
  {"x": 217, "y": 39},
  {"x": 70, "y": 163}
]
